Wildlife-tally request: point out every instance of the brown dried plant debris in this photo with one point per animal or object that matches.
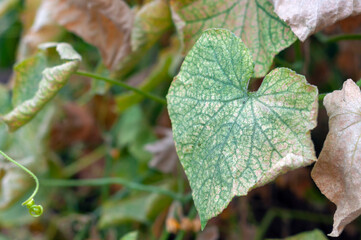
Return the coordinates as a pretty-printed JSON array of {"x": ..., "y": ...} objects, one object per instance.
[
  {"x": 307, "y": 17},
  {"x": 337, "y": 172},
  {"x": 106, "y": 24}
]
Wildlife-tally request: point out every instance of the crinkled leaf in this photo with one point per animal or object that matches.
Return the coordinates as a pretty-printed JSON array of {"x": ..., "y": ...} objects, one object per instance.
[
  {"x": 310, "y": 235},
  {"x": 104, "y": 23},
  {"x": 337, "y": 172},
  {"x": 253, "y": 20},
  {"x": 152, "y": 20},
  {"x": 36, "y": 84},
  {"x": 306, "y": 17},
  {"x": 230, "y": 140}
]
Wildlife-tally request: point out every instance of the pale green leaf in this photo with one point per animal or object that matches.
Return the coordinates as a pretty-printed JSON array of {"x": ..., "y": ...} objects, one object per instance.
[
  {"x": 37, "y": 81},
  {"x": 152, "y": 20},
  {"x": 230, "y": 140},
  {"x": 130, "y": 236},
  {"x": 140, "y": 207},
  {"x": 310, "y": 235},
  {"x": 253, "y": 20},
  {"x": 6, "y": 5}
]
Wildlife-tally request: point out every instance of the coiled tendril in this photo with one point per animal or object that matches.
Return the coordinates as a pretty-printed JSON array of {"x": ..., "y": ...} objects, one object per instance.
[{"x": 34, "y": 210}]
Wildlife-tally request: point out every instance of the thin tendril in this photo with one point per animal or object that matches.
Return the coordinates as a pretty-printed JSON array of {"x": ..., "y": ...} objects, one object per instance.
[{"x": 34, "y": 210}]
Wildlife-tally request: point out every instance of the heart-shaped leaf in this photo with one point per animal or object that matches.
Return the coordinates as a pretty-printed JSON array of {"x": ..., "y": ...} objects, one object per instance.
[
  {"x": 230, "y": 140},
  {"x": 253, "y": 20}
]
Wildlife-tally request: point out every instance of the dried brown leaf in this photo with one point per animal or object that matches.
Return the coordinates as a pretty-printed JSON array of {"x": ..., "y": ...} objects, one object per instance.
[
  {"x": 337, "y": 172},
  {"x": 43, "y": 28},
  {"x": 106, "y": 24},
  {"x": 306, "y": 17}
]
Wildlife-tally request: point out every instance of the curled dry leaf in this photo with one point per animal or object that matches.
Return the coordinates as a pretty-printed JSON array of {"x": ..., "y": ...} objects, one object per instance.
[
  {"x": 337, "y": 172},
  {"x": 43, "y": 28},
  {"x": 306, "y": 17},
  {"x": 106, "y": 24}
]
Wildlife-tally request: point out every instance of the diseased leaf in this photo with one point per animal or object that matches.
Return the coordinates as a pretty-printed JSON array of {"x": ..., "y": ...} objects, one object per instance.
[
  {"x": 36, "y": 83},
  {"x": 230, "y": 140},
  {"x": 307, "y": 17},
  {"x": 152, "y": 20},
  {"x": 310, "y": 235},
  {"x": 104, "y": 23},
  {"x": 252, "y": 20},
  {"x": 337, "y": 172}
]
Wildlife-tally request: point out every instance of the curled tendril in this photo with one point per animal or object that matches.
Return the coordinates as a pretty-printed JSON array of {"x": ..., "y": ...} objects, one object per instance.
[{"x": 34, "y": 210}]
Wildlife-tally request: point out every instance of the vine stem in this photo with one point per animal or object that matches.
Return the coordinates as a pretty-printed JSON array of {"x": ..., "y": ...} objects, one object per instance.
[
  {"x": 124, "y": 85},
  {"x": 326, "y": 39},
  {"x": 106, "y": 181},
  {"x": 35, "y": 210}
]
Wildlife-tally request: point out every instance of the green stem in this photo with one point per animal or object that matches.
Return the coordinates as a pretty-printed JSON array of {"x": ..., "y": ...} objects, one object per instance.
[
  {"x": 124, "y": 85},
  {"x": 35, "y": 210},
  {"x": 321, "y": 96},
  {"x": 85, "y": 161},
  {"x": 106, "y": 181},
  {"x": 324, "y": 39}
]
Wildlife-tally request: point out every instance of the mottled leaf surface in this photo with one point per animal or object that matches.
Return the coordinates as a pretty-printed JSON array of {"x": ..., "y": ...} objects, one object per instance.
[
  {"x": 230, "y": 140},
  {"x": 252, "y": 20},
  {"x": 37, "y": 81},
  {"x": 337, "y": 172}
]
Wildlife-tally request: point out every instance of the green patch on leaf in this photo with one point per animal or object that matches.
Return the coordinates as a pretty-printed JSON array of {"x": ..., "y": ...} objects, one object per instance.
[
  {"x": 252, "y": 20},
  {"x": 230, "y": 140},
  {"x": 38, "y": 79}
]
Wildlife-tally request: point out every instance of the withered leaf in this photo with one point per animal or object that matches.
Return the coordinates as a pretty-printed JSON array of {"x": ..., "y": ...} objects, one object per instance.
[
  {"x": 38, "y": 28},
  {"x": 306, "y": 17},
  {"x": 337, "y": 172},
  {"x": 106, "y": 24}
]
